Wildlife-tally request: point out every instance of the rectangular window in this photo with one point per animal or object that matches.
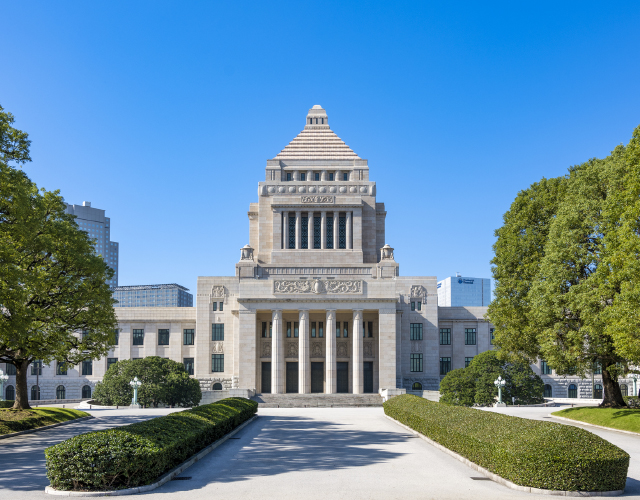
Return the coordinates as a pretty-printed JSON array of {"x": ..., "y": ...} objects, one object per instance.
[
  {"x": 317, "y": 232},
  {"x": 221, "y": 305},
  {"x": 320, "y": 329},
  {"x": 416, "y": 331},
  {"x": 292, "y": 232},
  {"x": 416, "y": 362},
  {"x": 313, "y": 329},
  {"x": 288, "y": 176},
  {"x": 419, "y": 305},
  {"x": 491, "y": 337},
  {"x": 87, "y": 367},
  {"x": 270, "y": 328},
  {"x": 188, "y": 336},
  {"x": 345, "y": 329},
  {"x": 215, "y": 306},
  {"x": 316, "y": 176},
  {"x": 445, "y": 336},
  {"x": 61, "y": 368},
  {"x": 163, "y": 337},
  {"x": 36, "y": 367},
  {"x": 304, "y": 232},
  {"x": 217, "y": 331},
  {"x": 303, "y": 176},
  {"x": 345, "y": 176},
  {"x": 364, "y": 329},
  {"x": 370, "y": 329},
  {"x": 188, "y": 365},
  {"x": 330, "y": 176},
  {"x": 295, "y": 329},
  {"x": 342, "y": 232},
  {"x": 138, "y": 337},
  {"x": 413, "y": 306},
  {"x": 467, "y": 361},
  {"x": 85, "y": 334},
  {"x": 289, "y": 329},
  {"x": 329, "y": 232},
  {"x": 217, "y": 362},
  {"x": 11, "y": 369},
  {"x": 445, "y": 366},
  {"x": 264, "y": 329},
  {"x": 597, "y": 369},
  {"x": 111, "y": 361},
  {"x": 338, "y": 329},
  {"x": 469, "y": 336},
  {"x": 544, "y": 368},
  {"x": 116, "y": 336}
]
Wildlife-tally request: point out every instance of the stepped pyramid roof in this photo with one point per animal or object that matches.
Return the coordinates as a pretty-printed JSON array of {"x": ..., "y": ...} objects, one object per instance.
[{"x": 317, "y": 141}]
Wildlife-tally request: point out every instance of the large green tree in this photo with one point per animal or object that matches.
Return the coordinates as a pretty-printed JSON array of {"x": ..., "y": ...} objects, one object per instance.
[
  {"x": 560, "y": 265},
  {"x": 163, "y": 381},
  {"x": 53, "y": 285}
]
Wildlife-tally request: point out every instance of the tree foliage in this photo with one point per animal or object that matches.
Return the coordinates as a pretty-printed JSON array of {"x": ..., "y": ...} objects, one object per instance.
[
  {"x": 163, "y": 381},
  {"x": 53, "y": 284},
  {"x": 474, "y": 384},
  {"x": 566, "y": 267}
]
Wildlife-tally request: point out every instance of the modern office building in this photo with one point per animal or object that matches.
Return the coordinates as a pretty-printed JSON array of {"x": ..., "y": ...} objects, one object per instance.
[
  {"x": 93, "y": 221},
  {"x": 170, "y": 295},
  {"x": 462, "y": 291}
]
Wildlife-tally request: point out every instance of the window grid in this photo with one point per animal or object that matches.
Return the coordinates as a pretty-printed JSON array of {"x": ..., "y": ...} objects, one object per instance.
[
  {"x": 163, "y": 337},
  {"x": 445, "y": 365},
  {"x": 61, "y": 392},
  {"x": 320, "y": 329},
  {"x": 345, "y": 329},
  {"x": 544, "y": 368},
  {"x": 416, "y": 331},
  {"x": 317, "y": 232},
  {"x": 289, "y": 329},
  {"x": 413, "y": 306},
  {"x": 215, "y": 306},
  {"x": 342, "y": 232},
  {"x": 111, "y": 361},
  {"x": 419, "y": 305},
  {"x": 188, "y": 365},
  {"x": 188, "y": 336},
  {"x": 61, "y": 368},
  {"x": 370, "y": 329},
  {"x": 445, "y": 336},
  {"x": 296, "y": 329},
  {"x": 292, "y": 232},
  {"x": 470, "y": 336},
  {"x": 467, "y": 361},
  {"x": 217, "y": 331},
  {"x": 416, "y": 362},
  {"x": 313, "y": 329},
  {"x": 87, "y": 367},
  {"x": 138, "y": 337},
  {"x": 329, "y": 232},
  {"x": 217, "y": 362},
  {"x": 36, "y": 367},
  {"x": 304, "y": 233}
]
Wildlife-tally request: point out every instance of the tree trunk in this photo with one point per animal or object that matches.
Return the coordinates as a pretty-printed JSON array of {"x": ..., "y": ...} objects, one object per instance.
[
  {"x": 22, "y": 393},
  {"x": 612, "y": 392}
]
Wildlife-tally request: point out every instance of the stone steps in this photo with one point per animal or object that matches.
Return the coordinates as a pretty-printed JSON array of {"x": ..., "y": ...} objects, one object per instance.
[{"x": 317, "y": 400}]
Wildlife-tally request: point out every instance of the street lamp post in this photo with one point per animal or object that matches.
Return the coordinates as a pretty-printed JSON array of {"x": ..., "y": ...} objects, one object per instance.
[
  {"x": 135, "y": 383},
  {"x": 3, "y": 379},
  {"x": 635, "y": 377},
  {"x": 499, "y": 383}
]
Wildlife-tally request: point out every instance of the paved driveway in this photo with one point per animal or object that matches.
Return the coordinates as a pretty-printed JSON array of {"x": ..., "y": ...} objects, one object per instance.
[{"x": 302, "y": 454}]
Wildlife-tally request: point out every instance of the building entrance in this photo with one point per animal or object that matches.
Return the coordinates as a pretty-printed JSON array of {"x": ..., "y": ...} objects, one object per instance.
[
  {"x": 343, "y": 376},
  {"x": 266, "y": 377},
  {"x": 368, "y": 376},
  {"x": 292, "y": 377},
  {"x": 317, "y": 376}
]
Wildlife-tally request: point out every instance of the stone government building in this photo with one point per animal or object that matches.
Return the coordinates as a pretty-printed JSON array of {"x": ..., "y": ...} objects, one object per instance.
[{"x": 317, "y": 304}]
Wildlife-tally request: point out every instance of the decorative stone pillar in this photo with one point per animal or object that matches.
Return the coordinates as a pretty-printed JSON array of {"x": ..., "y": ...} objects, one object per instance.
[
  {"x": 338, "y": 176},
  {"x": 304, "y": 365},
  {"x": 357, "y": 359},
  {"x": 331, "y": 368},
  {"x": 336, "y": 224},
  {"x": 349, "y": 226},
  {"x": 277, "y": 353},
  {"x": 387, "y": 348},
  {"x": 323, "y": 175},
  {"x": 298, "y": 228},
  {"x": 285, "y": 230},
  {"x": 309, "y": 175},
  {"x": 323, "y": 229},
  {"x": 310, "y": 230}
]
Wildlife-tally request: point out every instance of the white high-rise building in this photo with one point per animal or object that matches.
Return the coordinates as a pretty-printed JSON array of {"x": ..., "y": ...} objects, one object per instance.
[
  {"x": 463, "y": 291},
  {"x": 98, "y": 227}
]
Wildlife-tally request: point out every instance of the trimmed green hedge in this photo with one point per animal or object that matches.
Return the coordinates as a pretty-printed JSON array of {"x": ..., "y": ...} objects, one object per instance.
[
  {"x": 138, "y": 454},
  {"x": 526, "y": 452},
  {"x": 24, "y": 420},
  {"x": 6, "y": 404}
]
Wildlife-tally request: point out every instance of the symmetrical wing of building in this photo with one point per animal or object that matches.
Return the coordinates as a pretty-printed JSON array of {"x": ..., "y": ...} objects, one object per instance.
[{"x": 317, "y": 303}]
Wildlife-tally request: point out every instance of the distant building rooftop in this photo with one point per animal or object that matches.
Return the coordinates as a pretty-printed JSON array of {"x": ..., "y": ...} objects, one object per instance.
[{"x": 150, "y": 287}]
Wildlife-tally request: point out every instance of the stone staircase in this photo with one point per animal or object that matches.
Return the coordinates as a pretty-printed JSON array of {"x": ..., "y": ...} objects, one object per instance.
[{"x": 317, "y": 400}]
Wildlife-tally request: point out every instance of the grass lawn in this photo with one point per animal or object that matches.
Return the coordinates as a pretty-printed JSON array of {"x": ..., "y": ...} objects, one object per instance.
[
  {"x": 22, "y": 420},
  {"x": 624, "y": 419}
]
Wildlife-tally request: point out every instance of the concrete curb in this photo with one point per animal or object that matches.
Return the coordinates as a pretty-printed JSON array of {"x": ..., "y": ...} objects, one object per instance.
[
  {"x": 505, "y": 482},
  {"x": 44, "y": 427},
  {"x": 163, "y": 479},
  {"x": 580, "y": 422}
]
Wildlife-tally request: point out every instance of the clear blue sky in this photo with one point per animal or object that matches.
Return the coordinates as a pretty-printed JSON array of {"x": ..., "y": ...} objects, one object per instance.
[{"x": 164, "y": 113}]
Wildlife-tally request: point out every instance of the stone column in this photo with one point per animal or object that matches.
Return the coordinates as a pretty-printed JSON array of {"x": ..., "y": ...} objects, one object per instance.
[
  {"x": 285, "y": 230},
  {"x": 338, "y": 176},
  {"x": 387, "y": 348},
  {"x": 310, "y": 230},
  {"x": 304, "y": 365},
  {"x": 277, "y": 353},
  {"x": 336, "y": 223},
  {"x": 298, "y": 228},
  {"x": 356, "y": 360},
  {"x": 323, "y": 175},
  {"x": 323, "y": 229},
  {"x": 247, "y": 350},
  {"x": 331, "y": 367},
  {"x": 349, "y": 224}
]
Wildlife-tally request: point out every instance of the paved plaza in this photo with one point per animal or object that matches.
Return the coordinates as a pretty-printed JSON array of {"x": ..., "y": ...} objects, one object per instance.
[{"x": 299, "y": 453}]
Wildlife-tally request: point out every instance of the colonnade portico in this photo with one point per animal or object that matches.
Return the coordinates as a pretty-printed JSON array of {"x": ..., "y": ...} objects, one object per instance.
[{"x": 294, "y": 342}]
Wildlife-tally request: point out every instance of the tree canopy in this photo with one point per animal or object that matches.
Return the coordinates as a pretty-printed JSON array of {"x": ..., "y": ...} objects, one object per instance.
[
  {"x": 56, "y": 304},
  {"x": 474, "y": 384},
  {"x": 163, "y": 381},
  {"x": 566, "y": 270}
]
